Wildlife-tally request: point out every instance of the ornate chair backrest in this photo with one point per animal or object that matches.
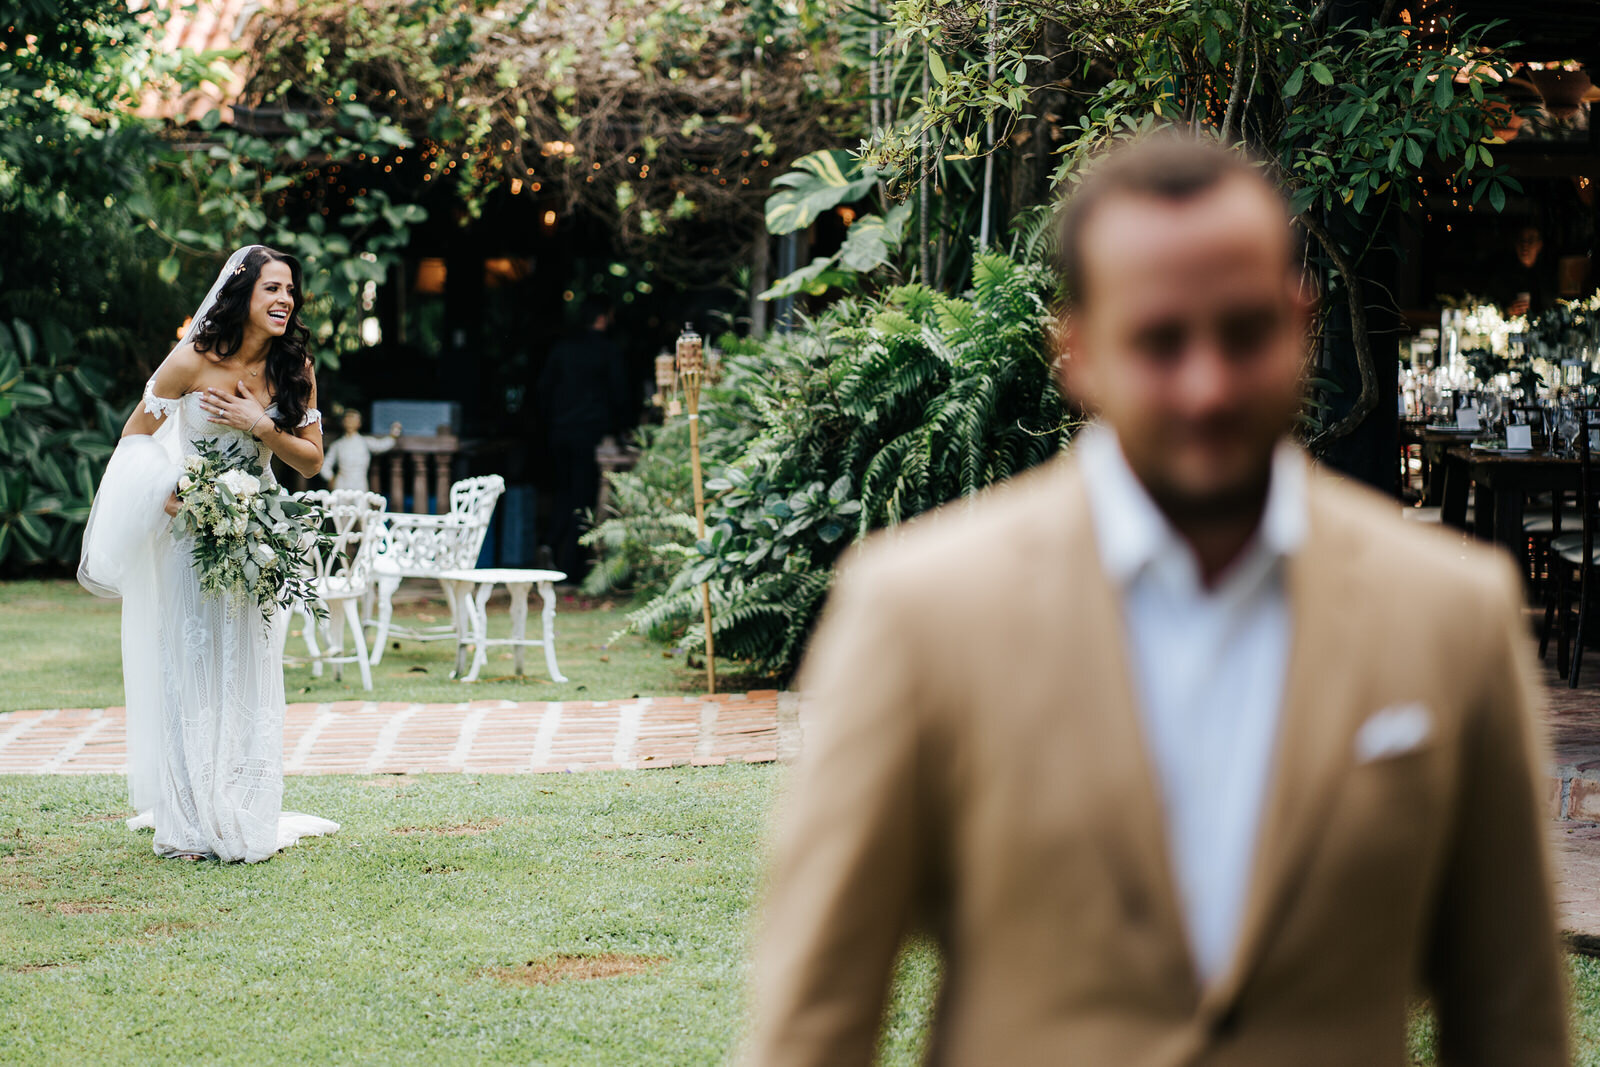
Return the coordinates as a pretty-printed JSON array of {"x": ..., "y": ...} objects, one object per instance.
[
  {"x": 472, "y": 502},
  {"x": 353, "y": 518},
  {"x": 428, "y": 544}
]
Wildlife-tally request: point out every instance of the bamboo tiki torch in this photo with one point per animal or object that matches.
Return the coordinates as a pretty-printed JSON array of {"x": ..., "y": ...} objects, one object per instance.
[{"x": 691, "y": 372}]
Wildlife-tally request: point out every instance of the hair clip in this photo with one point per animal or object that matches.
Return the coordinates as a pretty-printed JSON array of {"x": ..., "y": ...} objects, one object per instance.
[{"x": 239, "y": 269}]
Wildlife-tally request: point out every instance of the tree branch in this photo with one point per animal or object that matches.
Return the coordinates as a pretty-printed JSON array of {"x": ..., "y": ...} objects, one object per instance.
[
  {"x": 1367, "y": 401},
  {"x": 1237, "y": 91}
]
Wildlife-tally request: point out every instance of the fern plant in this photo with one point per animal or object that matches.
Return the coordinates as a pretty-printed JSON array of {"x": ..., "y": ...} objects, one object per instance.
[
  {"x": 878, "y": 410},
  {"x": 648, "y": 528}
]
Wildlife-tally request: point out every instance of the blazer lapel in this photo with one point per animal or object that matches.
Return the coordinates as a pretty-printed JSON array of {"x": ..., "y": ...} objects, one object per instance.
[
  {"x": 1109, "y": 735},
  {"x": 1312, "y": 751}
]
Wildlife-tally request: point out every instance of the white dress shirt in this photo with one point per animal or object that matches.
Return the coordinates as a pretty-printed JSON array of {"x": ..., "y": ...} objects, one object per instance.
[{"x": 1209, "y": 667}]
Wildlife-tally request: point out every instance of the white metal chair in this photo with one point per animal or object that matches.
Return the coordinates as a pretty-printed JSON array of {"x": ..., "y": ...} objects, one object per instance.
[
  {"x": 343, "y": 576},
  {"x": 426, "y": 546}
]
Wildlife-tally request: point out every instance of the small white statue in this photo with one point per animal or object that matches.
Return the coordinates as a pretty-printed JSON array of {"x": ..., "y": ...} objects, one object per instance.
[{"x": 346, "y": 461}]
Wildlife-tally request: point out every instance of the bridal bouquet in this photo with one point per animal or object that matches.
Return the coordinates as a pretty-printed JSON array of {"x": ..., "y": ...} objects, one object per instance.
[{"x": 250, "y": 537}]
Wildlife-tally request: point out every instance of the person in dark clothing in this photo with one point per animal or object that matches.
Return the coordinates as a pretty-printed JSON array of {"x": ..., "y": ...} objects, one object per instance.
[
  {"x": 1527, "y": 284},
  {"x": 581, "y": 391}
]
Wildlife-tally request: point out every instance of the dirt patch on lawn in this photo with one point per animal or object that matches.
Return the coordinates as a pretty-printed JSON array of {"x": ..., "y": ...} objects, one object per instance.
[
  {"x": 170, "y": 929},
  {"x": 16, "y": 848},
  {"x": 85, "y": 820},
  {"x": 81, "y": 907},
  {"x": 35, "y": 968},
  {"x": 393, "y": 781},
  {"x": 577, "y": 968},
  {"x": 464, "y": 829},
  {"x": 23, "y": 880}
]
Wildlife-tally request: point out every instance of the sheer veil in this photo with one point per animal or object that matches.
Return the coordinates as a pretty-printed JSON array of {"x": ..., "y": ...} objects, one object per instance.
[{"x": 120, "y": 542}]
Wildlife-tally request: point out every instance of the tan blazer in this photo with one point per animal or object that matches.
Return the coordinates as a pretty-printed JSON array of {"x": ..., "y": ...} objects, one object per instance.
[{"x": 973, "y": 764}]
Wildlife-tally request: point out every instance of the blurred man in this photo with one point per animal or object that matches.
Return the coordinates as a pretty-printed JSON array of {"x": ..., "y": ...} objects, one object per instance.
[
  {"x": 1526, "y": 284},
  {"x": 582, "y": 392},
  {"x": 1149, "y": 740}
]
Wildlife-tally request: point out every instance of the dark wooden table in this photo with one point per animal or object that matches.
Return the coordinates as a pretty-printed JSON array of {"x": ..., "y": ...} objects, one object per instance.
[
  {"x": 1504, "y": 480},
  {"x": 1434, "y": 442}
]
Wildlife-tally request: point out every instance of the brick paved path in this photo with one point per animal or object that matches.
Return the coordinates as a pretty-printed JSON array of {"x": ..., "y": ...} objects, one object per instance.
[{"x": 355, "y": 737}]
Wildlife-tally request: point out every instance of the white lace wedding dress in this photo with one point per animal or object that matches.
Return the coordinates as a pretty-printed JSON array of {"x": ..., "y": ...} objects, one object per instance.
[{"x": 203, "y": 672}]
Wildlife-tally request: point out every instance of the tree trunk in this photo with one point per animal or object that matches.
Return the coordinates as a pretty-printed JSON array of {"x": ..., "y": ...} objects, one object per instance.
[
  {"x": 924, "y": 179},
  {"x": 988, "y": 141},
  {"x": 1360, "y": 342},
  {"x": 760, "y": 260}
]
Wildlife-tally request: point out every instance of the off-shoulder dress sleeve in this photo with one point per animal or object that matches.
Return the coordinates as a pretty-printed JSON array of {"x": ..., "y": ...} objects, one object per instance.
[{"x": 159, "y": 406}]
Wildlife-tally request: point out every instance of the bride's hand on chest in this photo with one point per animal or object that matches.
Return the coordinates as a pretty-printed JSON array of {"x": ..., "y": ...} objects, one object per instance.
[{"x": 239, "y": 409}]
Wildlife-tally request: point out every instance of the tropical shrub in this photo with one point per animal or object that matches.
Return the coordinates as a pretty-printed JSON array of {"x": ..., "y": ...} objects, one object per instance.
[
  {"x": 79, "y": 298},
  {"x": 1349, "y": 115},
  {"x": 55, "y": 436},
  {"x": 879, "y": 410},
  {"x": 649, "y": 527}
]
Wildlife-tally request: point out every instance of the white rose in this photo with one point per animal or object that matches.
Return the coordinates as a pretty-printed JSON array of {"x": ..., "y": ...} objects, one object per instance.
[
  {"x": 240, "y": 483},
  {"x": 194, "y": 464},
  {"x": 264, "y": 553},
  {"x": 240, "y": 524},
  {"x": 184, "y": 483},
  {"x": 221, "y": 529}
]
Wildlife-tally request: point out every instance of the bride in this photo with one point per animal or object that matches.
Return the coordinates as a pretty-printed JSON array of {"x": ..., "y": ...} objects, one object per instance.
[{"x": 203, "y": 673}]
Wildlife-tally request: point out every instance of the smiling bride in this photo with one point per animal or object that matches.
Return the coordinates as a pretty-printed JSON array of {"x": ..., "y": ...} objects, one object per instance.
[{"x": 203, "y": 671}]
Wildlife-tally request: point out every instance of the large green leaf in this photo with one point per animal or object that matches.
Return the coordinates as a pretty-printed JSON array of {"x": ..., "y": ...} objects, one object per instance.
[
  {"x": 820, "y": 181},
  {"x": 814, "y": 278},
  {"x": 873, "y": 238},
  {"x": 10, "y": 369},
  {"x": 30, "y": 395},
  {"x": 27, "y": 342}
]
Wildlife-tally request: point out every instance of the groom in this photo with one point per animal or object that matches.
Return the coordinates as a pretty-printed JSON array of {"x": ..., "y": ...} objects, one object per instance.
[{"x": 1148, "y": 740}]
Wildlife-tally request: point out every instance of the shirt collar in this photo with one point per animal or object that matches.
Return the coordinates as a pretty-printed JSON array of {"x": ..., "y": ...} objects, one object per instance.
[{"x": 1131, "y": 532}]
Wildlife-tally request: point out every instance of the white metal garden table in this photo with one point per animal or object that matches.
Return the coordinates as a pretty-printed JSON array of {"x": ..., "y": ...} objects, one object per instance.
[{"x": 469, "y": 592}]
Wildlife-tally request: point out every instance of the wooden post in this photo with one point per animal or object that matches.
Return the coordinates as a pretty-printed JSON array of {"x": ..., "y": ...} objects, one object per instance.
[
  {"x": 691, "y": 370},
  {"x": 419, "y": 485},
  {"x": 397, "y": 478}
]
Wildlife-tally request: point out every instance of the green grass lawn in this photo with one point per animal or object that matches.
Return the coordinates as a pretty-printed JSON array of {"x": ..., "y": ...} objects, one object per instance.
[
  {"x": 62, "y": 650},
  {"x": 405, "y": 938},
  {"x": 597, "y": 918},
  {"x": 588, "y": 919}
]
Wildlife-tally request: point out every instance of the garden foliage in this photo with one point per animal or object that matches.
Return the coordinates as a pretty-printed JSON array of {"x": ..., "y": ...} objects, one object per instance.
[
  {"x": 1349, "y": 116},
  {"x": 881, "y": 409},
  {"x": 77, "y": 297},
  {"x": 111, "y": 225}
]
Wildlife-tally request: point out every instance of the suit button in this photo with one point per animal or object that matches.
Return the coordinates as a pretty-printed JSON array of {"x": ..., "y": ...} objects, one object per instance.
[{"x": 1225, "y": 1025}]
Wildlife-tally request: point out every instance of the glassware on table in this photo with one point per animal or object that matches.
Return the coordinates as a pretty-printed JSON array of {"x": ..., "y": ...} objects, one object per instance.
[{"x": 1568, "y": 426}]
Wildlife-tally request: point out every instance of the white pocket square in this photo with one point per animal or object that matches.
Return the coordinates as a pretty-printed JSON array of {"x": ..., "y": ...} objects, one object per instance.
[{"x": 1393, "y": 731}]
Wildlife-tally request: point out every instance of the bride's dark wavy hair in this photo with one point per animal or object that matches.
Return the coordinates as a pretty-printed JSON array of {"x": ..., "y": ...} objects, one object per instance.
[{"x": 288, "y": 362}]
